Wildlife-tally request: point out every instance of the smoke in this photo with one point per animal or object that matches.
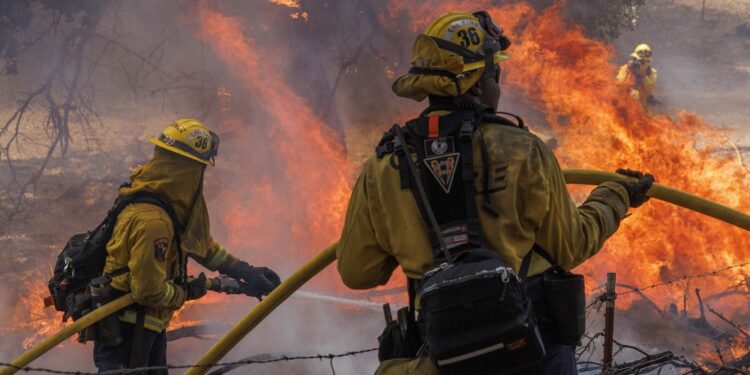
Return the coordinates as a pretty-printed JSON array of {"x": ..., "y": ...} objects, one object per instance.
[
  {"x": 299, "y": 104},
  {"x": 277, "y": 195},
  {"x": 700, "y": 60}
]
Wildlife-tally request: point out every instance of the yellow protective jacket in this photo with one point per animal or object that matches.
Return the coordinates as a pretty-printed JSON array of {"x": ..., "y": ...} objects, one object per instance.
[
  {"x": 384, "y": 228},
  {"x": 143, "y": 238},
  {"x": 642, "y": 83}
]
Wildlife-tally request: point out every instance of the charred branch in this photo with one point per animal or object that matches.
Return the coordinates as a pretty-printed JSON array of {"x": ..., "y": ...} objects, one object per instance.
[{"x": 731, "y": 323}]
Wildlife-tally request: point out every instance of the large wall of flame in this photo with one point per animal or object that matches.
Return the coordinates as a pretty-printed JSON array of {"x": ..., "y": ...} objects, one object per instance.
[
  {"x": 569, "y": 77},
  {"x": 279, "y": 192}
]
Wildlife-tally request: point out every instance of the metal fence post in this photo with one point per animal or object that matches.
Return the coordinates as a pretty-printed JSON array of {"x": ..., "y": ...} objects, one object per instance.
[{"x": 609, "y": 321}]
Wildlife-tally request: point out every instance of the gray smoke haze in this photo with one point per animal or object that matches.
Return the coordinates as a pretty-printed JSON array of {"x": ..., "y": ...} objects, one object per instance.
[{"x": 146, "y": 67}]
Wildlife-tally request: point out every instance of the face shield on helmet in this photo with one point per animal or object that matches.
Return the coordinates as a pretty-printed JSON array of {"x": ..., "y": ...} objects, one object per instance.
[
  {"x": 495, "y": 42},
  {"x": 191, "y": 139}
]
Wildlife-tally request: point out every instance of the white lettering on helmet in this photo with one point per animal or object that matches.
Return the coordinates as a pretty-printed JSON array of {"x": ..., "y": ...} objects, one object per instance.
[{"x": 167, "y": 140}]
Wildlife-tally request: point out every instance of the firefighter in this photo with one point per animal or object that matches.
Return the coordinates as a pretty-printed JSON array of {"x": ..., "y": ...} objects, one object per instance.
[
  {"x": 640, "y": 77},
  {"x": 143, "y": 240},
  {"x": 526, "y": 200}
]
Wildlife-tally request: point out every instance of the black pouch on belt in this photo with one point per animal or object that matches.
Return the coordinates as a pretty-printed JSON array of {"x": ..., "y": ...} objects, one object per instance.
[
  {"x": 400, "y": 338},
  {"x": 565, "y": 302},
  {"x": 108, "y": 330}
]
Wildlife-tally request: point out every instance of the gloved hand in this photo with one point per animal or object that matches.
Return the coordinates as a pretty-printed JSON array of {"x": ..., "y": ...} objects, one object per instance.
[
  {"x": 636, "y": 189},
  {"x": 259, "y": 280},
  {"x": 196, "y": 288}
]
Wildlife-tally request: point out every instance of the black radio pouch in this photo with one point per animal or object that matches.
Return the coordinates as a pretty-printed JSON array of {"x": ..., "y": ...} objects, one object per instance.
[
  {"x": 400, "y": 338},
  {"x": 565, "y": 304},
  {"x": 559, "y": 299}
]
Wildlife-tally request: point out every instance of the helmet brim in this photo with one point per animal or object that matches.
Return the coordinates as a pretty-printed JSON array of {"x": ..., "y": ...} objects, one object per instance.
[{"x": 177, "y": 151}]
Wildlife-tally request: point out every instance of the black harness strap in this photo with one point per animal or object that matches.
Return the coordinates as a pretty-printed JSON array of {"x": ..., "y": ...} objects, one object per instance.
[
  {"x": 119, "y": 271},
  {"x": 468, "y": 55},
  {"x": 411, "y": 289},
  {"x": 400, "y": 147},
  {"x": 486, "y": 203},
  {"x": 163, "y": 203},
  {"x": 523, "y": 272},
  {"x": 465, "y": 135},
  {"x": 136, "y": 349},
  {"x": 519, "y": 121}
]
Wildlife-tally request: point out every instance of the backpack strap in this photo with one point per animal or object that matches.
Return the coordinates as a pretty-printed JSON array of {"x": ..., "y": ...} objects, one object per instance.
[
  {"x": 118, "y": 272},
  {"x": 136, "y": 350},
  {"x": 163, "y": 203},
  {"x": 155, "y": 199},
  {"x": 523, "y": 272},
  {"x": 502, "y": 120},
  {"x": 468, "y": 125},
  {"x": 400, "y": 148}
]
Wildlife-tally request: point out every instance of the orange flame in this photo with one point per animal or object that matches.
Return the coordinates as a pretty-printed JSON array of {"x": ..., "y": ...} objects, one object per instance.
[
  {"x": 287, "y": 3},
  {"x": 314, "y": 167},
  {"x": 30, "y": 314},
  {"x": 556, "y": 70},
  {"x": 569, "y": 77},
  {"x": 599, "y": 127}
]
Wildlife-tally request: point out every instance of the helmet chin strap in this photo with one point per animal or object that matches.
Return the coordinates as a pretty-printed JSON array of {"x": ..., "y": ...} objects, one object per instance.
[{"x": 490, "y": 47}]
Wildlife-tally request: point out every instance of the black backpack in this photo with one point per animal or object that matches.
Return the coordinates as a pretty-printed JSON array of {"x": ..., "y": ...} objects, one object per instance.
[
  {"x": 476, "y": 317},
  {"x": 82, "y": 259}
]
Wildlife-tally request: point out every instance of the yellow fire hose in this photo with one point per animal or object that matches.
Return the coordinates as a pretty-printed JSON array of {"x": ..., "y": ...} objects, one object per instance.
[
  {"x": 664, "y": 193},
  {"x": 263, "y": 309},
  {"x": 325, "y": 258},
  {"x": 78, "y": 325},
  {"x": 572, "y": 176}
]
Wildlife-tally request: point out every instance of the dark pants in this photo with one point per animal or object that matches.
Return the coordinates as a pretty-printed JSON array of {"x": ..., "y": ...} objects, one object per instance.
[
  {"x": 560, "y": 360},
  {"x": 153, "y": 352}
]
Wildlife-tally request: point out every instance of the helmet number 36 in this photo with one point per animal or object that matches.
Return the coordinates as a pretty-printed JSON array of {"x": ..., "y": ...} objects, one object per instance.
[
  {"x": 201, "y": 142},
  {"x": 469, "y": 37}
]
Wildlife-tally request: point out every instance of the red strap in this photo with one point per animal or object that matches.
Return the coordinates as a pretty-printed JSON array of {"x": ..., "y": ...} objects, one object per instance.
[{"x": 434, "y": 129}]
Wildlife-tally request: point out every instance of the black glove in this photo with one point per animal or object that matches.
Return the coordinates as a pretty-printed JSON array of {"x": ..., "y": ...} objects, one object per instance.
[
  {"x": 636, "y": 189},
  {"x": 196, "y": 288},
  {"x": 259, "y": 280}
]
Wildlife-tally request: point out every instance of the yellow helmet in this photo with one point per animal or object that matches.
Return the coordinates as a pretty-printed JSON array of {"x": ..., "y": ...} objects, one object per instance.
[
  {"x": 451, "y": 56},
  {"x": 642, "y": 52},
  {"x": 191, "y": 139},
  {"x": 467, "y": 34}
]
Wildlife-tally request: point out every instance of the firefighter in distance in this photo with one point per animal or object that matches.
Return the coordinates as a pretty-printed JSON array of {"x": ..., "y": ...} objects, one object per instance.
[{"x": 640, "y": 77}]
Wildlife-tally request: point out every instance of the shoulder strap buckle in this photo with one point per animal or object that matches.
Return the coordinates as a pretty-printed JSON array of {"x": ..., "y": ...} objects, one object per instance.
[
  {"x": 385, "y": 145},
  {"x": 467, "y": 127}
]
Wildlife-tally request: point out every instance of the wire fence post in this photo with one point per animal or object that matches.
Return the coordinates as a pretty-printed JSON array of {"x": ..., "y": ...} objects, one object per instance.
[{"x": 609, "y": 322}]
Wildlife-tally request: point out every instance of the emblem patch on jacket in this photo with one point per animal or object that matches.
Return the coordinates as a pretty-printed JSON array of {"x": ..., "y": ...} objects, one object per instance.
[
  {"x": 161, "y": 246},
  {"x": 441, "y": 160}
]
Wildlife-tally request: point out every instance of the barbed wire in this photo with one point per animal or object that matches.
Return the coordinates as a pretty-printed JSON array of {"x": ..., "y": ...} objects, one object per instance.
[
  {"x": 638, "y": 289},
  {"x": 595, "y": 304},
  {"x": 247, "y": 362}
]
